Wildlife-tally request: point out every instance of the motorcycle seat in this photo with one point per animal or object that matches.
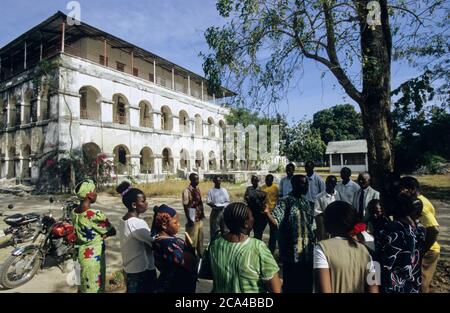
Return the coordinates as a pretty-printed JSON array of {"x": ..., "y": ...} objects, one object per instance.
[
  {"x": 20, "y": 219},
  {"x": 14, "y": 220}
]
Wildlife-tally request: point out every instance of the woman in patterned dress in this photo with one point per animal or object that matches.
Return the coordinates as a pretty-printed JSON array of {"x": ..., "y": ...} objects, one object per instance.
[
  {"x": 174, "y": 258},
  {"x": 92, "y": 228},
  {"x": 400, "y": 246}
]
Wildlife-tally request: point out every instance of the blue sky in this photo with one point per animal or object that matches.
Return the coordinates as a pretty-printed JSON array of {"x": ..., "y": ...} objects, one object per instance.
[{"x": 174, "y": 30}]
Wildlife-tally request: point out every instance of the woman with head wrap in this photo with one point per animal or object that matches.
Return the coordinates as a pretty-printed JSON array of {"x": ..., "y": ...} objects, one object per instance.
[
  {"x": 174, "y": 258},
  {"x": 92, "y": 228}
]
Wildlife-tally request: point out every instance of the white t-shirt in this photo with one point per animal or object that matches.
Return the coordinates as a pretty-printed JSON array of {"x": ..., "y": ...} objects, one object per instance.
[
  {"x": 136, "y": 245},
  {"x": 320, "y": 260},
  {"x": 219, "y": 197}
]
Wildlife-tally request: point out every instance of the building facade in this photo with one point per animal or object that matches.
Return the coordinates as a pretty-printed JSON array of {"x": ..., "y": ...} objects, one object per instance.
[
  {"x": 75, "y": 90},
  {"x": 349, "y": 153}
]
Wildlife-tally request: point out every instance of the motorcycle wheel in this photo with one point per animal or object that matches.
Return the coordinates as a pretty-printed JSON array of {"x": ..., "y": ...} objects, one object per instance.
[{"x": 12, "y": 271}]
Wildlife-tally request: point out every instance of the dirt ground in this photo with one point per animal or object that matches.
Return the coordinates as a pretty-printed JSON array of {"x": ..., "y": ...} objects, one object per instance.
[{"x": 53, "y": 280}]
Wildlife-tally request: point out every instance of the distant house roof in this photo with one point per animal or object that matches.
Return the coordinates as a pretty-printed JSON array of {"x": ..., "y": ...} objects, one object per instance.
[{"x": 348, "y": 146}]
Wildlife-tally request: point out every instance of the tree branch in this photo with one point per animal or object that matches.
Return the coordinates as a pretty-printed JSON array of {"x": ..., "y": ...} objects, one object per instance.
[{"x": 335, "y": 67}]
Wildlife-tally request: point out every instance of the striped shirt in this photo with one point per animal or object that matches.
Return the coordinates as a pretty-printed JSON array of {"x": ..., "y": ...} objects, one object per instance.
[{"x": 241, "y": 267}]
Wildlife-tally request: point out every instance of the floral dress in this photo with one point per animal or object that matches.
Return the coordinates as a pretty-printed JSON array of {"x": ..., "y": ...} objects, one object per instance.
[
  {"x": 90, "y": 226},
  {"x": 169, "y": 259},
  {"x": 400, "y": 247}
]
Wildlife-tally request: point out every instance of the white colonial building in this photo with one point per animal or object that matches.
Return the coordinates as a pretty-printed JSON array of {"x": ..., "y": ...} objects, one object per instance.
[{"x": 69, "y": 89}]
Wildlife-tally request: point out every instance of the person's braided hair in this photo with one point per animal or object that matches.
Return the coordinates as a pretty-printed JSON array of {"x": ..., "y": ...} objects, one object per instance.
[
  {"x": 129, "y": 194},
  {"x": 235, "y": 215}
]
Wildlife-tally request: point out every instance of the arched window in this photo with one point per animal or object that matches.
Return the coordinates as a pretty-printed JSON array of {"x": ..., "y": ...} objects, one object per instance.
[
  {"x": 90, "y": 107},
  {"x": 211, "y": 128},
  {"x": 198, "y": 125},
  {"x": 167, "y": 160},
  {"x": 121, "y": 159},
  {"x": 199, "y": 162},
  {"x": 146, "y": 119},
  {"x": 184, "y": 160},
  {"x": 166, "y": 118},
  {"x": 121, "y": 115},
  {"x": 147, "y": 161},
  {"x": 184, "y": 122}
]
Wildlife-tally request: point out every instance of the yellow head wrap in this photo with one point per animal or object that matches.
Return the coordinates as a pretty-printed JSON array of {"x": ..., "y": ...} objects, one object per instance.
[{"x": 85, "y": 187}]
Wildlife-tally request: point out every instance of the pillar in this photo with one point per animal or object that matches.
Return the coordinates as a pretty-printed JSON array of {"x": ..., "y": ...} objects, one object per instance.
[
  {"x": 331, "y": 162},
  {"x": 135, "y": 162},
  {"x": 107, "y": 111}
]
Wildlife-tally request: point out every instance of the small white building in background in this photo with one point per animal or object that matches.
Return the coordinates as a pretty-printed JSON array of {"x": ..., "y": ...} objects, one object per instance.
[{"x": 350, "y": 153}]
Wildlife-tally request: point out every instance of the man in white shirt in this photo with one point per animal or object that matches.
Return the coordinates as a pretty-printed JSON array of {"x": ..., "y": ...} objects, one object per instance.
[
  {"x": 218, "y": 199},
  {"x": 347, "y": 187},
  {"x": 323, "y": 199},
  {"x": 316, "y": 184}
]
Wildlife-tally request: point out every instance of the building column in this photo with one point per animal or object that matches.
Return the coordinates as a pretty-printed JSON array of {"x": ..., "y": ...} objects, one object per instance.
[
  {"x": 158, "y": 165},
  {"x": 135, "y": 162},
  {"x": 157, "y": 119},
  {"x": 10, "y": 166},
  {"x": 11, "y": 114},
  {"x": 25, "y": 113},
  {"x": 331, "y": 162},
  {"x": 342, "y": 159},
  {"x": 25, "y": 167},
  {"x": 34, "y": 169},
  {"x": 176, "y": 164},
  {"x": 367, "y": 163},
  {"x": 107, "y": 107},
  {"x": 42, "y": 108}
]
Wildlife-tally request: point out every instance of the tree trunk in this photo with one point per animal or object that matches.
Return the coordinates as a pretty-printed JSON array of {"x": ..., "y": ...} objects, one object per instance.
[{"x": 376, "y": 44}]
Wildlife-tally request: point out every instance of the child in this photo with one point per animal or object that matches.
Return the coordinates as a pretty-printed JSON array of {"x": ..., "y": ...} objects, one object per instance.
[
  {"x": 136, "y": 242},
  {"x": 174, "y": 258},
  {"x": 92, "y": 228}
]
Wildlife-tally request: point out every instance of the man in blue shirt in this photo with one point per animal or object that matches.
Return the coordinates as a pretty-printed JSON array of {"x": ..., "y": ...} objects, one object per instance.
[
  {"x": 285, "y": 182},
  {"x": 316, "y": 184}
]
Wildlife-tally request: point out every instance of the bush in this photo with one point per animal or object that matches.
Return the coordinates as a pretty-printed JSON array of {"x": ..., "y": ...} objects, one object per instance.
[{"x": 432, "y": 164}]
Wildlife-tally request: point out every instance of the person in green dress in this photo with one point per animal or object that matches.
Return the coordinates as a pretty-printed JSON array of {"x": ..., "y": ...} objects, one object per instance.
[
  {"x": 92, "y": 228},
  {"x": 238, "y": 263}
]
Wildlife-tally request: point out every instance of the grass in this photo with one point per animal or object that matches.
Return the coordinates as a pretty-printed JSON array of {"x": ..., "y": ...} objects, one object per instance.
[{"x": 433, "y": 186}]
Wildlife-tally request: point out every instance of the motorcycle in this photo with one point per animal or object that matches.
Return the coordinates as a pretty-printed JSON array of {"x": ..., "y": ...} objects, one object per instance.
[
  {"x": 21, "y": 228},
  {"x": 54, "y": 238}
]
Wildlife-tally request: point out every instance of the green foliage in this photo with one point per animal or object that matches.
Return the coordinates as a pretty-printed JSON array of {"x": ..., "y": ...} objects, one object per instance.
[
  {"x": 420, "y": 135},
  {"x": 42, "y": 76},
  {"x": 303, "y": 143},
  {"x": 338, "y": 123}
]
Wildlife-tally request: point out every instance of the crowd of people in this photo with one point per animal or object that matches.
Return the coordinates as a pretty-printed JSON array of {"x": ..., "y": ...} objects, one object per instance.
[{"x": 332, "y": 237}]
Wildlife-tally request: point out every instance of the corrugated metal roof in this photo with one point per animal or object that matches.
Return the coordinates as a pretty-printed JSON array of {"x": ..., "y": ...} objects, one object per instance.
[
  {"x": 348, "y": 146},
  {"x": 50, "y": 31}
]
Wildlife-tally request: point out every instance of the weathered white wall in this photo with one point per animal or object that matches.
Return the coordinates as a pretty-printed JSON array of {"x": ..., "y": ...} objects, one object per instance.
[{"x": 108, "y": 135}]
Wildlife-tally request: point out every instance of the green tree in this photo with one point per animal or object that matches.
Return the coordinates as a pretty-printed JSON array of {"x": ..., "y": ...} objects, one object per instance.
[
  {"x": 304, "y": 143},
  {"x": 264, "y": 43},
  {"x": 340, "y": 122}
]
